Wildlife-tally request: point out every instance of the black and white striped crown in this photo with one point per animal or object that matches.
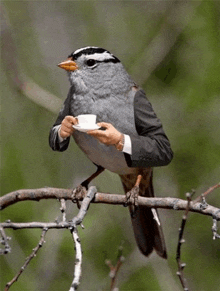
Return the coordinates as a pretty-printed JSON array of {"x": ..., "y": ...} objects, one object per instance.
[{"x": 95, "y": 53}]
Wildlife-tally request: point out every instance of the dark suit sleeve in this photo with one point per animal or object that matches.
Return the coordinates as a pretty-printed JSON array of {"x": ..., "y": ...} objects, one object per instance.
[
  {"x": 54, "y": 142},
  {"x": 151, "y": 148}
]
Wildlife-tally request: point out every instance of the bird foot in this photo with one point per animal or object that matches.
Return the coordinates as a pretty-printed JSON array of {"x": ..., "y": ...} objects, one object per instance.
[
  {"x": 132, "y": 199},
  {"x": 78, "y": 193}
]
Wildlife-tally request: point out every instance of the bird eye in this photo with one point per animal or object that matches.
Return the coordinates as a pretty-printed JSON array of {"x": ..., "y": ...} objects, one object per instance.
[{"x": 90, "y": 62}]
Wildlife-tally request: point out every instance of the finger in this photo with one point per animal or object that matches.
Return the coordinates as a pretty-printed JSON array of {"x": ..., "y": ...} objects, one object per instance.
[
  {"x": 66, "y": 129},
  {"x": 66, "y": 126},
  {"x": 68, "y": 122},
  {"x": 66, "y": 133},
  {"x": 96, "y": 133},
  {"x": 104, "y": 124},
  {"x": 70, "y": 119}
]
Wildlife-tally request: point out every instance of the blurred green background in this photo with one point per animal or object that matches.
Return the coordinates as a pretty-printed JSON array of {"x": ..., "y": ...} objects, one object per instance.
[{"x": 171, "y": 49}]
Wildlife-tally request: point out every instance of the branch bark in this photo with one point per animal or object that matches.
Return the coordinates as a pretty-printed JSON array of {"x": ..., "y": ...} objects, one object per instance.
[
  {"x": 32, "y": 255},
  {"x": 116, "y": 199},
  {"x": 181, "y": 240},
  {"x": 92, "y": 196}
]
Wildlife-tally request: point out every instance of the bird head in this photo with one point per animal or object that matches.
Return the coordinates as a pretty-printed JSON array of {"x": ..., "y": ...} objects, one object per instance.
[{"x": 94, "y": 67}]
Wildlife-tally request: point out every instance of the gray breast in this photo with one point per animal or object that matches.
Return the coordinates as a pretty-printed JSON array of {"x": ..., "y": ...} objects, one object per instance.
[
  {"x": 106, "y": 156},
  {"x": 117, "y": 110}
]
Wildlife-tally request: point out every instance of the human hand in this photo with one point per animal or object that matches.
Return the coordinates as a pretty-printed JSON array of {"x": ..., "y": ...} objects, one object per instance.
[
  {"x": 109, "y": 136},
  {"x": 66, "y": 128}
]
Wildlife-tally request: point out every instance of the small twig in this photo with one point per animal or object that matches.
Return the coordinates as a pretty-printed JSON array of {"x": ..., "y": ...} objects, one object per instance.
[
  {"x": 63, "y": 208},
  {"x": 203, "y": 195},
  {"x": 4, "y": 241},
  {"x": 115, "y": 269},
  {"x": 78, "y": 260},
  {"x": 215, "y": 228},
  {"x": 76, "y": 221},
  {"x": 48, "y": 225},
  {"x": 181, "y": 240},
  {"x": 203, "y": 204},
  {"x": 32, "y": 255},
  {"x": 85, "y": 205}
]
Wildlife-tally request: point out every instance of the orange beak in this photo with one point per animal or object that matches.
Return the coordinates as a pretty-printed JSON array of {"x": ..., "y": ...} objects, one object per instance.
[{"x": 68, "y": 65}]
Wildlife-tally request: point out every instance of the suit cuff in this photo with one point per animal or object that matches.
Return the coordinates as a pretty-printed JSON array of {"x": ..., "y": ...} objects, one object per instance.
[{"x": 127, "y": 144}]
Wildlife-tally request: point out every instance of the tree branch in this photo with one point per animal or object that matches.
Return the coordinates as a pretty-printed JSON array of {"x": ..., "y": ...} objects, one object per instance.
[
  {"x": 32, "y": 255},
  {"x": 161, "y": 44},
  {"x": 45, "y": 226},
  {"x": 116, "y": 199},
  {"x": 76, "y": 221},
  {"x": 4, "y": 241},
  {"x": 203, "y": 195},
  {"x": 92, "y": 197},
  {"x": 181, "y": 240},
  {"x": 78, "y": 260},
  {"x": 115, "y": 269},
  {"x": 23, "y": 83}
]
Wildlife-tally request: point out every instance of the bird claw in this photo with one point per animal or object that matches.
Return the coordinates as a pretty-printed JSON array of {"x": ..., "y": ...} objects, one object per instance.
[
  {"x": 78, "y": 193},
  {"x": 132, "y": 199}
]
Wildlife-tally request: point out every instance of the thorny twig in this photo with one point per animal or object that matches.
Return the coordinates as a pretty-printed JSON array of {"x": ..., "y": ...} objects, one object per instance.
[
  {"x": 85, "y": 205},
  {"x": 215, "y": 228},
  {"x": 115, "y": 269},
  {"x": 4, "y": 241},
  {"x": 63, "y": 208},
  {"x": 203, "y": 195},
  {"x": 78, "y": 260},
  {"x": 32, "y": 255},
  {"x": 45, "y": 226},
  {"x": 181, "y": 265},
  {"x": 204, "y": 205},
  {"x": 76, "y": 221}
]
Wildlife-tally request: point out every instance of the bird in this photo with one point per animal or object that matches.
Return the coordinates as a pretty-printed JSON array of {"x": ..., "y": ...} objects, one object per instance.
[{"x": 130, "y": 142}]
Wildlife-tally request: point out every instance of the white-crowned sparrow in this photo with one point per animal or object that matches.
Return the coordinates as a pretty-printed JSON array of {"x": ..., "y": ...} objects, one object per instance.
[{"x": 133, "y": 142}]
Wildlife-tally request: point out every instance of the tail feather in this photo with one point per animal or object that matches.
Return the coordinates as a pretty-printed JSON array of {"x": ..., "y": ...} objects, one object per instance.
[{"x": 146, "y": 224}]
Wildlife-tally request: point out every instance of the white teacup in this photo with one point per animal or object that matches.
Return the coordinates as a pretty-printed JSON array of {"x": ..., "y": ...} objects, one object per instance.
[{"x": 85, "y": 119}]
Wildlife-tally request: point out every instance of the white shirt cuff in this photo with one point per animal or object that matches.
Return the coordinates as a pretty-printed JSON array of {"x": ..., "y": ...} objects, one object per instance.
[
  {"x": 127, "y": 144},
  {"x": 58, "y": 132}
]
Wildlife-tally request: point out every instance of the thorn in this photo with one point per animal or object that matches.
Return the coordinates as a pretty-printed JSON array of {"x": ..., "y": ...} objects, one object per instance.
[
  {"x": 188, "y": 195},
  {"x": 122, "y": 259},
  {"x": 120, "y": 248},
  {"x": 183, "y": 265},
  {"x": 107, "y": 262}
]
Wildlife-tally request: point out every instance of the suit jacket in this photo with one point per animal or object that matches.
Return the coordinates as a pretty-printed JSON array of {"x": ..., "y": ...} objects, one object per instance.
[{"x": 150, "y": 145}]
